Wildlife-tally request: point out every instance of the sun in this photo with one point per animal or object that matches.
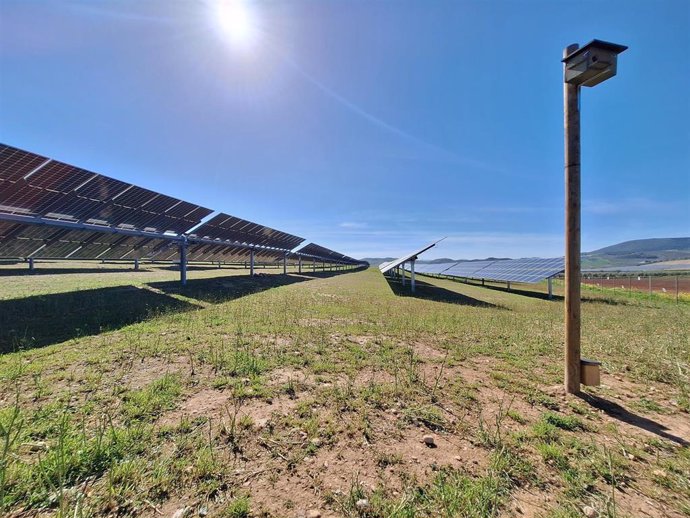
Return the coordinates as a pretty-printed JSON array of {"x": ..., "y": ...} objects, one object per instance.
[{"x": 236, "y": 22}]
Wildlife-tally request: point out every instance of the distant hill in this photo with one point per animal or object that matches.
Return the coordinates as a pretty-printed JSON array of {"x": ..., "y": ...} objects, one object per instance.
[{"x": 638, "y": 252}]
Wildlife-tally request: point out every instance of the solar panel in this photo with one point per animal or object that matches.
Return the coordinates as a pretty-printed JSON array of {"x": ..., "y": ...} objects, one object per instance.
[
  {"x": 467, "y": 268},
  {"x": 529, "y": 270},
  {"x": 432, "y": 268},
  {"x": 231, "y": 228},
  {"x": 36, "y": 186},
  {"x": 44, "y": 241},
  {"x": 397, "y": 262},
  {"x": 15, "y": 163}
]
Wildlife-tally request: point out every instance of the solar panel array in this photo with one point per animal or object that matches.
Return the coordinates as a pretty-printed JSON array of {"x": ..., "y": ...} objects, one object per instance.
[
  {"x": 320, "y": 252},
  {"x": 32, "y": 185},
  {"x": 234, "y": 229},
  {"x": 466, "y": 268},
  {"x": 529, "y": 270},
  {"x": 431, "y": 267},
  {"x": 49, "y": 209},
  {"x": 48, "y": 242},
  {"x": 386, "y": 267}
]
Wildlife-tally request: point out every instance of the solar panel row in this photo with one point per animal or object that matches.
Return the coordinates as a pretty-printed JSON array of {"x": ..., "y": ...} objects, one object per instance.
[
  {"x": 47, "y": 242},
  {"x": 53, "y": 190},
  {"x": 529, "y": 270},
  {"x": 231, "y": 228},
  {"x": 319, "y": 252},
  {"x": 49, "y": 209},
  {"x": 386, "y": 267}
]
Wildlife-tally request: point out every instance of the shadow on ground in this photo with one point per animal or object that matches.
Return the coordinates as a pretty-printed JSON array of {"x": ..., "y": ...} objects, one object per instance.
[
  {"x": 504, "y": 289},
  {"x": 616, "y": 411},
  {"x": 427, "y": 291},
  {"x": 42, "y": 320},
  {"x": 24, "y": 270},
  {"x": 216, "y": 290}
]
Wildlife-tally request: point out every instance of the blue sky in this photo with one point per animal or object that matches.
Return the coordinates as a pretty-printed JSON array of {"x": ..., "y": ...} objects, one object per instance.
[{"x": 367, "y": 127}]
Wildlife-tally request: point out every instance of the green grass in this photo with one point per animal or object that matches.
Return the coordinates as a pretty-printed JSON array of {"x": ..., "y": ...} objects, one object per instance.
[{"x": 314, "y": 392}]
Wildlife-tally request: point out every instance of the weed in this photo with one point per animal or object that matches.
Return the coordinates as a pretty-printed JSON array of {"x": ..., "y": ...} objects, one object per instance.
[{"x": 237, "y": 508}]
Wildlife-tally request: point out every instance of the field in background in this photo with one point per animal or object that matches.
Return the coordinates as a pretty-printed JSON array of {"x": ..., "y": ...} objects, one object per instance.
[
  {"x": 668, "y": 284},
  {"x": 281, "y": 395}
]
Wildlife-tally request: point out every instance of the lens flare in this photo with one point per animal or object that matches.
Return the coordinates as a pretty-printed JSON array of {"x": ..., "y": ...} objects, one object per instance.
[{"x": 236, "y": 21}]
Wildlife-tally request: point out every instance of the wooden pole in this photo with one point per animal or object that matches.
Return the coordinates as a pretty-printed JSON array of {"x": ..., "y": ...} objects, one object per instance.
[{"x": 571, "y": 106}]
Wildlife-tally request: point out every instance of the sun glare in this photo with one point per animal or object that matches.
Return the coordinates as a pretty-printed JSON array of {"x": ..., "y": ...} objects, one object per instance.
[{"x": 236, "y": 22}]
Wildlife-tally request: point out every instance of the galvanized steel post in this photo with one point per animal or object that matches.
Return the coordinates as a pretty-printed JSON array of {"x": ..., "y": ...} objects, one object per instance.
[
  {"x": 183, "y": 262},
  {"x": 412, "y": 283}
]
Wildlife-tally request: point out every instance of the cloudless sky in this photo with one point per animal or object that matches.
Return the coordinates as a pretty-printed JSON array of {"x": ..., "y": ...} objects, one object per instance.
[{"x": 369, "y": 127}]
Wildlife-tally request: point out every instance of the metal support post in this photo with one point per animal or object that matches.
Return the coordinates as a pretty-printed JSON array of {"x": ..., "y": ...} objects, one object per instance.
[
  {"x": 313, "y": 265},
  {"x": 136, "y": 265},
  {"x": 183, "y": 263},
  {"x": 299, "y": 264},
  {"x": 32, "y": 268},
  {"x": 251, "y": 263},
  {"x": 285, "y": 264},
  {"x": 549, "y": 282},
  {"x": 508, "y": 285},
  {"x": 571, "y": 105},
  {"x": 412, "y": 283},
  {"x": 402, "y": 273}
]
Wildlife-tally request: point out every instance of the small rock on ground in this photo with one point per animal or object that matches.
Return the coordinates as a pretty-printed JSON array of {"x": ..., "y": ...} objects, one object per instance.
[{"x": 429, "y": 440}]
